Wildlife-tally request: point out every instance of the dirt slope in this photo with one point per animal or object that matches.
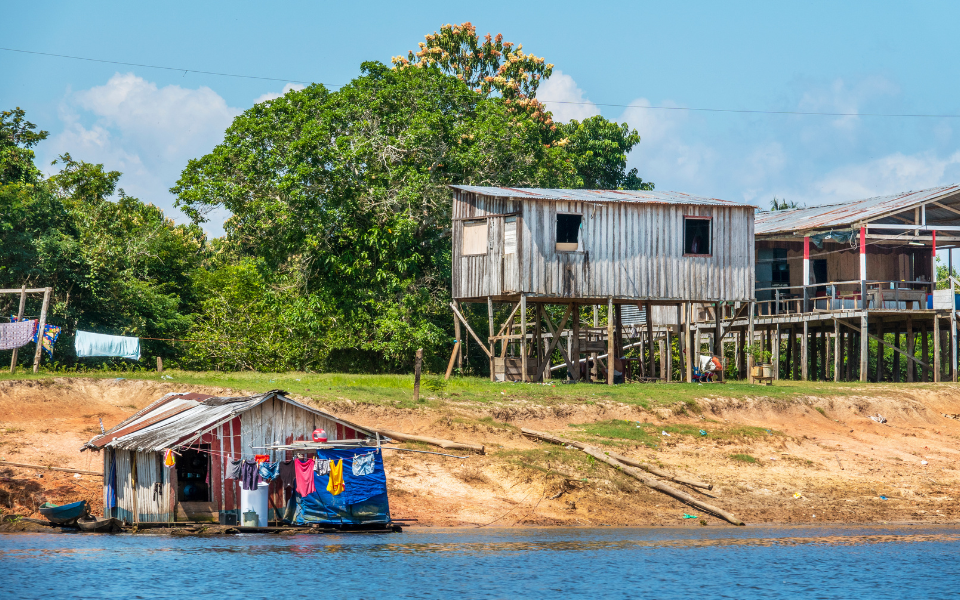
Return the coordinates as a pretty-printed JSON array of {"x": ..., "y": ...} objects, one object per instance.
[{"x": 826, "y": 450}]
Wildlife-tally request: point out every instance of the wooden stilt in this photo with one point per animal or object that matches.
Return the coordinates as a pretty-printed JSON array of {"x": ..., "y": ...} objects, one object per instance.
[
  {"x": 805, "y": 351},
  {"x": 837, "y": 360},
  {"x": 788, "y": 363},
  {"x": 848, "y": 369},
  {"x": 41, "y": 327},
  {"x": 750, "y": 334},
  {"x": 925, "y": 351},
  {"x": 493, "y": 344},
  {"x": 953, "y": 324},
  {"x": 575, "y": 344},
  {"x": 937, "y": 370},
  {"x": 864, "y": 347},
  {"x": 911, "y": 350},
  {"x": 881, "y": 352},
  {"x": 895, "y": 375},
  {"x": 538, "y": 338},
  {"x": 776, "y": 354},
  {"x": 611, "y": 350},
  {"x": 524, "y": 376},
  {"x": 458, "y": 336},
  {"x": 827, "y": 352},
  {"x": 687, "y": 349},
  {"x": 594, "y": 368},
  {"x": 650, "y": 341}
]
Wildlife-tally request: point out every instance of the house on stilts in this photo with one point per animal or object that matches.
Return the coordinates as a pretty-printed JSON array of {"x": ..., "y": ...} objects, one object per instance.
[
  {"x": 207, "y": 434},
  {"x": 848, "y": 291},
  {"x": 545, "y": 259}
]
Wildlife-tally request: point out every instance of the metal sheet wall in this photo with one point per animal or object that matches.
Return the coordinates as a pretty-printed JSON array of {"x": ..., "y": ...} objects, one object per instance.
[{"x": 630, "y": 250}]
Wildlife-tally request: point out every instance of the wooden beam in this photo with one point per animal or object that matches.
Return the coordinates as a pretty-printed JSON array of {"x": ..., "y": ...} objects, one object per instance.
[
  {"x": 492, "y": 342},
  {"x": 555, "y": 337},
  {"x": 945, "y": 207},
  {"x": 41, "y": 326},
  {"x": 4, "y": 463},
  {"x": 805, "y": 352},
  {"x": 453, "y": 359},
  {"x": 864, "y": 346},
  {"x": 937, "y": 367},
  {"x": 572, "y": 366},
  {"x": 523, "y": 340},
  {"x": 24, "y": 289},
  {"x": 911, "y": 349},
  {"x": 509, "y": 320},
  {"x": 611, "y": 354},
  {"x": 23, "y": 302},
  {"x": 837, "y": 361},
  {"x": 470, "y": 330}
]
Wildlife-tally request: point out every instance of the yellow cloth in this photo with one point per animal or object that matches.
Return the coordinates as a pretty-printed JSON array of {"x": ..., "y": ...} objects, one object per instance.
[{"x": 336, "y": 485}]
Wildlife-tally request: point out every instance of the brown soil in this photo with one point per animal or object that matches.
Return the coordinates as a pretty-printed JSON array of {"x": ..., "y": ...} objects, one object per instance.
[{"x": 839, "y": 461}]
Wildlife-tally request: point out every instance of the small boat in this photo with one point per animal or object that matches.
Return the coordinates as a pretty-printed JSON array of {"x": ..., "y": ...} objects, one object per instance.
[
  {"x": 93, "y": 524},
  {"x": 66, "y": 514}
]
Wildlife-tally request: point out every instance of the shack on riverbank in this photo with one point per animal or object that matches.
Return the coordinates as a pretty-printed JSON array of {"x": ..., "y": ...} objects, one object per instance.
[{"x": 208, "y": 437}]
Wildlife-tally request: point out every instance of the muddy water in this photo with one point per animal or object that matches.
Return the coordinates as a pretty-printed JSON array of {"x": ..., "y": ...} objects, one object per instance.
[{"x": 752, "y": 562}]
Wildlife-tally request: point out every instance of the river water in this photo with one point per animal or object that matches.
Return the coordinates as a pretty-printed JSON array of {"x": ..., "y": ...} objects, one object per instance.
[{"x": 709, "y": 562}]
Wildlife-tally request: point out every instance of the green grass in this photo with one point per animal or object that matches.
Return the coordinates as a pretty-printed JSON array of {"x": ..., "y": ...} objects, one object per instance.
[
  {"x": 820, "y": 410},
  {"x": 650, "y": 434},
  {"x": 743, "y": 458},
  {"x": 397, "y": 390}
]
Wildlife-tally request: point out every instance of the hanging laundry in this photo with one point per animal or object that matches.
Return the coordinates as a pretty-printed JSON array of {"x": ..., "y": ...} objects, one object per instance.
[
  {"x": 304, "y": 470},
  {"x": 249, "y": 475},
  {"x": 50, "y": 335},
  {"x": 363, "y": 465},
  {"x": 288, "y": 474},
  {"x": 269, "y": 471},
  {"x": 98, "y": 344},
  {"x": 322, "y": 466},
  {"x": 336, "y": 486},
  {"x": 233, "y": 469},
  {"x": 261, "y": 458},
  {"x": 168, "y": 459},
  {"x": 15, "y": 335}
]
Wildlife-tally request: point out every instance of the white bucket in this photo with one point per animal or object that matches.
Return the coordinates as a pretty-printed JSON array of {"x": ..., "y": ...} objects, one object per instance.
[{"x": 255, "y": 500}]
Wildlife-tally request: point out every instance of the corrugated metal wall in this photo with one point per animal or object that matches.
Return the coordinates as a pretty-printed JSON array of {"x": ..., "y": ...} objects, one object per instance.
[{"x": 630, "y": 250}]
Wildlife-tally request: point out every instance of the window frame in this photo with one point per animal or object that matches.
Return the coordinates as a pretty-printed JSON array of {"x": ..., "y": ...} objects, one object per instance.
[
  {"x": 579, "y": 247},
  {"x": 683, "y": 237}
]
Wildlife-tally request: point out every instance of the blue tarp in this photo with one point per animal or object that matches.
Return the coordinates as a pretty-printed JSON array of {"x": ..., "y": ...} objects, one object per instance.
[{"x": 364, "y": 499}]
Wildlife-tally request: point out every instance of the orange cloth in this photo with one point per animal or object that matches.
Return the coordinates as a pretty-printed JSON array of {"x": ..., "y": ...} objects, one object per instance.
[
  {"x": 168, "y": 460},
  {"x": 261, "y": 458},
  {"x": 336, "y": 485}
]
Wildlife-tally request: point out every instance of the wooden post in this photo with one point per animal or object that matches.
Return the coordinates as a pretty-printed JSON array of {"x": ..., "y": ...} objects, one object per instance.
[
  {"x": 776, "y": 354},
  {"x": 953, "y": 325},
  {"x": 804, "y": 351},
  {"x": 751, "y": 336},
  {"x": 159, "y": 365},
  {"x": 791, "y": 340},
  {"x": 23, "y": 303},
  {"x": 688, "y": 359},
  {"x": 594, "y": 372},
  {"x": 895, "y": 374},
  {"x": 493, "y": 344},
  {"x": 575, "y": 344},
  {"x": 864, "y": 347},
  {"x": 538, "y": 338},
  {"x": 41, "y": 327},
  {"x": 837, "y": 360},
  {"x": 453, "y": 360},
  {"x": 458, "y": 347},
  {"x": 650, "y": 341},
  {"x": 827, "y": 351},
  {"x": 661, "y": 348},
  {"x": 863, "y": 276},
  {"x": 937, "y": 366},
  {"x": 848, "y": 369},
  {"x": 523, "y": 339},
  {"x": 417, "y": 366},
  {"x": 133, "y": 486},
  {"x": 925, "y": 352},
  {"x": 881, "y": 351},
  {"x": 611, "y": 351},
  {"x": 911, "y": 350},
  {"x": 806, "y": 273}
]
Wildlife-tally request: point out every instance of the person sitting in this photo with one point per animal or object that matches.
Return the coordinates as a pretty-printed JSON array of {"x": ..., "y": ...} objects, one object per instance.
[{"x": 709, "y": 367}]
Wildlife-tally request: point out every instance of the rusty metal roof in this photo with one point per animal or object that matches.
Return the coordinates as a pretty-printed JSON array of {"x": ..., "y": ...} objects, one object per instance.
[
  {"x": 178, "y": 417},
  {"x": 644, "y": 197},
  {"x": 848, "y": 214}
]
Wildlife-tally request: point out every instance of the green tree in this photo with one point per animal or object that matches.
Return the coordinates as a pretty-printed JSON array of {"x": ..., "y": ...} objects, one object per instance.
[
  {"x": 783, "y": 204},
  {"x": 598, "y": 149}
]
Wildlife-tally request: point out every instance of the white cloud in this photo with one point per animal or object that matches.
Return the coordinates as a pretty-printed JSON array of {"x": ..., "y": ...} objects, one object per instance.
[
  {"x": 565, "y": 99},
  {"x": 274, "y": 95},
  {"x": 888, "y": 175},
  {"x": 147, "y": 132}
]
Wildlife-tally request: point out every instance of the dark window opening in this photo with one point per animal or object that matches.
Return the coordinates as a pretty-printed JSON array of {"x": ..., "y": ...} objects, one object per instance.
[
  {"x": 696, "y": 236},
  {"x": 192, "y": 469},
  {"x": 818, "y": 266},
  {"x": 568, "y": 232},
  {"x": 780, "y": 276}
]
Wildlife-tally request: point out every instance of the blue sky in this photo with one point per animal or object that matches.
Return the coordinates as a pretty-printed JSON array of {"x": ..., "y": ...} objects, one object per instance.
[{"x": 851, "y": 57}]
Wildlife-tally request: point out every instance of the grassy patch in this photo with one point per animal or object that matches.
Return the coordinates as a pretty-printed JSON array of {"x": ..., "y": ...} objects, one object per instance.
[
  {"x": 820, "y": 410},
  {"x": 650, "y": 434},
  {"x": 746, "y": 458},
  {"x": 552, "y": 461},
  {"x": 642, "y": 433}
]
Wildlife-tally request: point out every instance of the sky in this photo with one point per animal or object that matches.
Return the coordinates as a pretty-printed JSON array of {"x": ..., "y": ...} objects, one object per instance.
[{"x": 632, "y": 62}]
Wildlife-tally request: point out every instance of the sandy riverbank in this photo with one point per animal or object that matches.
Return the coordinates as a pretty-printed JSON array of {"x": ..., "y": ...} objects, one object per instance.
[{"x": 826, "y": 449}]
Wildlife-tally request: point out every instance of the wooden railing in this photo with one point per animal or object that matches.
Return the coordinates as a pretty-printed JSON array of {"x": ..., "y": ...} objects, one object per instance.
[{"x": 844, "y": 295}]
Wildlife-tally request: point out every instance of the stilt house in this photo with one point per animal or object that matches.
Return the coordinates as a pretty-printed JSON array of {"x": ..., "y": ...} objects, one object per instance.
[
  {"x": 206, "y": 432},
  {"x": 651, "y": 252},
  {"x": 840, "y": 284}
]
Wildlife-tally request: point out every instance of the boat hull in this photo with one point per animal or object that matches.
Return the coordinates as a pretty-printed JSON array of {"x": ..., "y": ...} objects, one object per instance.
[
  {"x": 66, "y": 514},
  {"x": 99, "y": 525}
]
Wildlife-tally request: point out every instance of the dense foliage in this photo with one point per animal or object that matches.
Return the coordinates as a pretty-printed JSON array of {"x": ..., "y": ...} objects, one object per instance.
[{"x": 336, "y": 255}]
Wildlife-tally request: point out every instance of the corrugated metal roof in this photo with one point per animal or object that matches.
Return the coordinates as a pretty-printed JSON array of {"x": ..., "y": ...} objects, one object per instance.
[
  {"x": 846, "y": 214},
  {"x": 645, "y": 197},
  {"x": 194, "y": 421}
]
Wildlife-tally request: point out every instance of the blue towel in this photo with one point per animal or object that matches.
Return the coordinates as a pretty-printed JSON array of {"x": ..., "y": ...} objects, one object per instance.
[{"x": 98, "y": 344}]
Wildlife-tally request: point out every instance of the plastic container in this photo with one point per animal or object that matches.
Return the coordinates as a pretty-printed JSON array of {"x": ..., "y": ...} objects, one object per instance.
[{"x": 255, "y": 501}]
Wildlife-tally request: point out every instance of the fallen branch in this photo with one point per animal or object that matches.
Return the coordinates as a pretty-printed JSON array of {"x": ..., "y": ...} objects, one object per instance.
[
  {"x": 546, "y": 437},
  {"x": 4, "y": 463},
  {"x": 445, "y": 444},
  {"x": 663, "y": 488}
]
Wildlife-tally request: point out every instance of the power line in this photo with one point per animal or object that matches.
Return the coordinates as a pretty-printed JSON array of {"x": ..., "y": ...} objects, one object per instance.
[
  {"x": 129, "y": 64},
  {"x": 641, "y": 106}
]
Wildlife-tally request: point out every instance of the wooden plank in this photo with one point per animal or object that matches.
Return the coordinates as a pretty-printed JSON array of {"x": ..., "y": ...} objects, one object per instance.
[
  {"x": 524, "y": 376},
  {"x": 837, "y": 361},
  {"x": 545, "y": 364},
  {"x": 937, "y": 367},
  {"x": 24, "y": 289},
  {"x": 4, "y": 463},
  {"x": 23, "y": 302},
  {"x": 453, "y": 359},
  {"x": 470, "y": 330},
  {"x": 38, "y": 353},
  {"x": 611, "y": 353},
  {"x": 870, "y": 335}
]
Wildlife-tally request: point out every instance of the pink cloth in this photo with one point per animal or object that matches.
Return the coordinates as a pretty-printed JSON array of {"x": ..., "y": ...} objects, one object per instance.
[{"x": 305, "y": 476}]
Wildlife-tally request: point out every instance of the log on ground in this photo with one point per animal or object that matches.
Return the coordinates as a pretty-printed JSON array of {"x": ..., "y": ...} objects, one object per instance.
[{"x": 446, "y": 444}]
